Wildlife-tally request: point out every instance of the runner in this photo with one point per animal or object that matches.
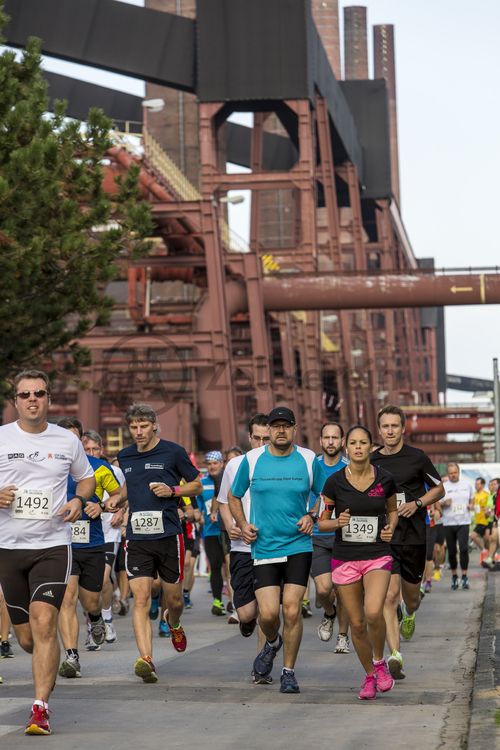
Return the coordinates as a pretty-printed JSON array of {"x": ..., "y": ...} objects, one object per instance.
[
  {"x": 280, "y": 477},
  {"x": 87, "y": 569},
  {"x": 153, "y": 469},
  {"x": 457, "y": 506},
  {"x": 241, "y": 563},
  {"x": 214, "y": 551},
  {"x": 332, "y": 444},
  {"x": 418, "y": 485},
  {"x": 364, "y": 499},
  {"x": 35, "y": 516},
  {"x": 482, "y": 519}
]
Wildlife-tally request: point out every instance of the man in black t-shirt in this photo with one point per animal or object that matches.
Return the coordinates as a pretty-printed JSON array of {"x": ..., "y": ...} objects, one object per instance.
[
  {"x": 153, "y": 470},
  {"x": 418, "y": 485}
]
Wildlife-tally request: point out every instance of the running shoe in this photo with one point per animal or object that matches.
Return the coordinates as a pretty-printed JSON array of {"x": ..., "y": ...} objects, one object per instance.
[
  {"x": 229, "y": 607},
  {"x": 325, "y": 628},
  {"x": 465, "y": 582},
  {"x": 436, "y": 576},
  {"x": 428, "y": 587},
  {"x": 163, "y": 629},
  {"x": 39, "y": 721},
  {"x": 384, "y": 679},
  {"x": 124, "y": 608},
  {"x": 188, "y": 604},
  {"x": 70, "y": 667},
  {"x": 258, "y": 680},
  {"x": 233, "y": 618},
  {"x": 395, "y": 665},
  {"x": 6, "y": 651},
  {"x": 306, "y": 608},
  {"x": 343, "y": 644},
  {"x": 368, "y": 690},
  {"x": 111, "y": 635},
  {"x": 454, "y": 583},
  {"x": 218, "y": 608},
  {"x": 90, "y": 644},
  {"x": 154, "y": 609},
  {"x": 98, "y": 631},
  {"x": 145, "y": 669},
  {"x": 179, "y": 640},
  {"x": 263, "y": 662},
  {"x": 1, "y": 680},
  {"x": 422, "y": 591},
  {"x": 407, "y": 626},
  {"x": 288, "y": 683},
  {"x": 247, "y": 628}
]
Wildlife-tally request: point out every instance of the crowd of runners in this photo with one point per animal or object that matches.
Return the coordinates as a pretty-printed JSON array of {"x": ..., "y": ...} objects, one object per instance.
[{"x": 366, "y": 526}]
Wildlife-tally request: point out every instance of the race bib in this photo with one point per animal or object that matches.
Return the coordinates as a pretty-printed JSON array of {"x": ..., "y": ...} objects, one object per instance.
[
  {"x": 459, "y": 510},
  {"x": 80, "y": 532},
  {"x": 208, "y": 506},
  {"x": 361, "y": 529},
  {"x": 400, "y": 499},
  {"x": 32, "y": 505},
  {"x": 270, "y": 560},
  {"x": 147, "y": 522}
]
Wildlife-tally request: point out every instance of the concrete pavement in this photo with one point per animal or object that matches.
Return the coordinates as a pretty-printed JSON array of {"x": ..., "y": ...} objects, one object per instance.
[{"x": 205, "y": 698}]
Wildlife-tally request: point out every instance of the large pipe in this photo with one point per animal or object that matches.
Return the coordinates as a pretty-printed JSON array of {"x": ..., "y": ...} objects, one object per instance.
[
  {"x": 451, "y": 448},
  {"x": 445, "y": 425}
]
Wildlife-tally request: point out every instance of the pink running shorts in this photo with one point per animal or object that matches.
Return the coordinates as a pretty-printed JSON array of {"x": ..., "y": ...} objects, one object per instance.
[{"x": 350, "y": 571}]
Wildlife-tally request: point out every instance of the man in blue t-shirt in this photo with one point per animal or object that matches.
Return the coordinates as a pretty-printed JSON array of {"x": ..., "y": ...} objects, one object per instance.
[
  {"x": 280, "y": 477},
  {"x": 332, "y": 460},
  {"x": 154, "y": 469}
]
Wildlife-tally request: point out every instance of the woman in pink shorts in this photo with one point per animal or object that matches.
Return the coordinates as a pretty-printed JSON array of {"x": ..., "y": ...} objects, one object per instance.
[{"x": 364, "y": 499}]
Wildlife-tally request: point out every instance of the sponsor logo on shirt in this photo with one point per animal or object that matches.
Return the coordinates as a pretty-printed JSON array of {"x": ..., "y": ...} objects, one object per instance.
[
  {"x": 128, "y": 470},
  {"x": 154, "y": 466},
  {"x": 57, "y": 456},
  {"x": 14, "y": 456},
  {"x": 36, "y": 457},
  {"x": 377, "y": 491}
]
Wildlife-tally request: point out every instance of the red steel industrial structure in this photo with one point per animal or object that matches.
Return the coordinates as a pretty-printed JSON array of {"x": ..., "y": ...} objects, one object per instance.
[{"x": 327, "y": 309}]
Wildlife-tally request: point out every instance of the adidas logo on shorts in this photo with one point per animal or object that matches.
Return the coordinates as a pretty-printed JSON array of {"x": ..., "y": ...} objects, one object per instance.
[{"x": 48, "y": 593}]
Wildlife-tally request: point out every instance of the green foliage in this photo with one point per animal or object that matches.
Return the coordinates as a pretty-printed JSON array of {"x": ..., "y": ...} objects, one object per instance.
[{"x": 60, "y": 233}]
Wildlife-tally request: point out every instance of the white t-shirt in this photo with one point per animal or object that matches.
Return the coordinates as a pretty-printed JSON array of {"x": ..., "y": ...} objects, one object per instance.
[
  {"x": 461, "y": 494},
  {"x": 237, "y": 545},
  {"x": 112, "y": 534},
  {"x": 38, "y": 464}
]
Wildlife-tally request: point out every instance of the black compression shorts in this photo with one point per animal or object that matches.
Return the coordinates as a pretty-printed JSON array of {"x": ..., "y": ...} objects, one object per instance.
[
  {"x": 88, "y": 565},
  {"x": 242, "y": 573},
  {"x": 295, "y": 570}
]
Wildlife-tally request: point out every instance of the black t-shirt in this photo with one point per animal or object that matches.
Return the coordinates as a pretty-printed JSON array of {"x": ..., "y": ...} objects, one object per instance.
[
  {"x": 167, "y": 462},
  {"x": 371, "y": 503},
  {"x": 414, "y": 473}
]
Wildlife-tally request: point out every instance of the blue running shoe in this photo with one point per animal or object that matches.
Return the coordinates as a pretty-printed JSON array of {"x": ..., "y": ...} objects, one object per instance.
[
  {"x": 288, "y": 682},
  {"x": 263, "y": 663},
  {"x": 188, "y": 604},
  {"x": 164, "y": 630},
  {"x": 154, "y": 609}
]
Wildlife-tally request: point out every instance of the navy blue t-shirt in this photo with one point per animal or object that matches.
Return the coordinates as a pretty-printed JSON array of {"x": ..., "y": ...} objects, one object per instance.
[{"x": 167, "y": 462}]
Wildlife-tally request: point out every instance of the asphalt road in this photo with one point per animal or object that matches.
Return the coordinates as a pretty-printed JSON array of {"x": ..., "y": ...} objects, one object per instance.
[{"x": 205, "y": 699}]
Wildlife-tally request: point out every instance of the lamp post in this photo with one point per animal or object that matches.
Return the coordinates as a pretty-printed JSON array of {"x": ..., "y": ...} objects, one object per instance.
[{"x": 496, "y": 402}]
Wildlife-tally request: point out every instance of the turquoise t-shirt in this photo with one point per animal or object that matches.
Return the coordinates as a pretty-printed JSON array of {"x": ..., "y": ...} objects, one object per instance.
[
  {"x": 279, "y": 494},
  {"x": 329, "y": 470},
  {"x": 205, "y": 503}
]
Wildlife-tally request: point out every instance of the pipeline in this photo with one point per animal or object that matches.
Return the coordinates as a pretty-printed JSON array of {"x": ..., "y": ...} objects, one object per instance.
[{"x": 446, "y": 425}]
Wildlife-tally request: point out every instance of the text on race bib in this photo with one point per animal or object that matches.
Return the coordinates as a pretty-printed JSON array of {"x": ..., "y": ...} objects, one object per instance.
[
  {"x": 360, "y": 529},
  {"x": 32, "y": 505},
  {"x": 400, "y": 499},
  {"x": 80, "y": 532},
  {"x": 458, "y": 509},
  {"x": 147, "y": 522}
]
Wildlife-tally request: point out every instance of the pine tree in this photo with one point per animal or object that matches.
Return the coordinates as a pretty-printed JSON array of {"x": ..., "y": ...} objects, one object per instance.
[{"x": 60, "y": 233}]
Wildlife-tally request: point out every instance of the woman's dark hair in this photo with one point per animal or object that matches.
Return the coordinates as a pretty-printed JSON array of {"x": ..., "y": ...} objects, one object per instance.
[{"x": 358, "y": 427}]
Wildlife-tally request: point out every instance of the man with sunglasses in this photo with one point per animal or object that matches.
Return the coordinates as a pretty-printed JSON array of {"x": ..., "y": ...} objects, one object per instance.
[
  {"x": 35, "y": 528},
  {"x": 280, "y": 477}
]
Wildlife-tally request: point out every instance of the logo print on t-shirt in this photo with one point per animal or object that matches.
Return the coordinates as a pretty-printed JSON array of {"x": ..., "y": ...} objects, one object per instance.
[
  {"x": 377, "y": 491},
  {"x": 36, "y": 457}
]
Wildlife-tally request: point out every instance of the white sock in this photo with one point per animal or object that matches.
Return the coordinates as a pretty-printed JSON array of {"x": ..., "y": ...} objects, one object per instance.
[
  {"x": 107, "y": 614},
  {"x": 41, "y": 703}
]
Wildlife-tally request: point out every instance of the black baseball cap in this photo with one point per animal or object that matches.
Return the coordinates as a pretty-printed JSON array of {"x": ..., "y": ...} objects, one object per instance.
[{"x": 281, "y": 412}]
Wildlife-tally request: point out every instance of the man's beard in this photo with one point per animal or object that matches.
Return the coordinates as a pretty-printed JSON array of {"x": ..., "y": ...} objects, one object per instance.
[{"x": 336, "y": 451}]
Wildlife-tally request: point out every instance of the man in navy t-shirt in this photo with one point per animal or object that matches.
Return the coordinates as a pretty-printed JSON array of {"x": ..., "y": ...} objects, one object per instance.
[{"x": 153, "y": 470}]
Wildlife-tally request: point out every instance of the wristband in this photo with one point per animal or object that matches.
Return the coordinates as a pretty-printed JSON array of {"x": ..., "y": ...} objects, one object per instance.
[
  {"x": 419, "y": 504},
  {"x": 177, "y": 490},
  {"x": 83, "y": 500}
]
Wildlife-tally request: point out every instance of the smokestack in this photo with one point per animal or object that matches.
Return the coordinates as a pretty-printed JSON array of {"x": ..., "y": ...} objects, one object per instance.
[
  {"x": 385, "y": 67},
  {"x": 355, "y": 43},
  {"x": 326, "y": 18}
]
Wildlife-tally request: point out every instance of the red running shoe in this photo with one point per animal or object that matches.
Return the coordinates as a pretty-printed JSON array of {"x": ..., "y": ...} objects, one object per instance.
[
  {"x": 39, "y": 721},
  {"x": 178, "y": 636}
]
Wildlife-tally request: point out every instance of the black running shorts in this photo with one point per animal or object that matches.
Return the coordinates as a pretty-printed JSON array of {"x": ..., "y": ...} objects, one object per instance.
[
  {"x": 242, "y": 571},
  {"x": 409, "y": 561},
  {"x": 88, "y": 565},
  {"x": 294, "y": 570},
  {"x": 110, "y": 549},
  {"x": 33, "y": 575},
  {"x": 158, "y": 557},
  {"x": 193, "y": 546}
]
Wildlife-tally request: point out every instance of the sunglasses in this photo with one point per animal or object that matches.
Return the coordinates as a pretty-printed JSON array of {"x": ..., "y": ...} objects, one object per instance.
[{"x": 24, "y": 395}]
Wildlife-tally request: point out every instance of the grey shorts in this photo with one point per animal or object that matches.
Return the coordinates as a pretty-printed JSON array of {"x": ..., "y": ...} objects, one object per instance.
[{"x": 322, "y": 555}]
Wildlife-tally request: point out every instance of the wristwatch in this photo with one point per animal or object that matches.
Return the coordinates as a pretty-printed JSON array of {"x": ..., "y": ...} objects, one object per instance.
[
  {"x": 419, "y": 504},
  {"x": 314, "y": 516}
]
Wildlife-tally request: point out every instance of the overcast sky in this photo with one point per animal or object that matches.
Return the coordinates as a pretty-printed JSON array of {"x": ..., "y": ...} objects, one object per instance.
[{"x": 447, "y": 64}]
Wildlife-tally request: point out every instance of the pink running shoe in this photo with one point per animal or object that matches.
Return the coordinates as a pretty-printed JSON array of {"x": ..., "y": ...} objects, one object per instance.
[
  {"x": 368, "y": 690},
  {"x": 383, "y": 677}
]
